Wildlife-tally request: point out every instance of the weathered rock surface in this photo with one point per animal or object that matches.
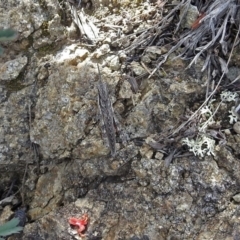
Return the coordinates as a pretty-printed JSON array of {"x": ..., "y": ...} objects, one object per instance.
[
  {"x": 52, "y": 147},
  {"x": 11, "y": 69}
]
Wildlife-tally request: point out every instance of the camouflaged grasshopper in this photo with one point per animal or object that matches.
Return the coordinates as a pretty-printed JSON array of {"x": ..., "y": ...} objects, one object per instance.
[
  {"x": 107, "y": 114},
  {"x": 110, "y": 123}
]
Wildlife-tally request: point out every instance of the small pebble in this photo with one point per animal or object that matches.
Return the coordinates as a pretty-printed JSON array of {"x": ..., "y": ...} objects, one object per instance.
[
  {"x": 236, "y": 127},
  {"x": 237, "y": 198}
]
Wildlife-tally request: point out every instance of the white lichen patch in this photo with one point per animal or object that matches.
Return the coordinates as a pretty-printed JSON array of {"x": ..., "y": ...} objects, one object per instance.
[
  {"x": 228, "y": 96},
  {"x": 202, "y": 146},
  {"x": 233, "y": 117}
]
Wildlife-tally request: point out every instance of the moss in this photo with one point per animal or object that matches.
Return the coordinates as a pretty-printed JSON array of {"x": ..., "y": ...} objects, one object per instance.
[
  {"x": 44, "y": 50},
  {"x": 30, "y": 39},
  {"x": 44, "y": 27},
  {"x": 48, "y": 49},
  {"x": 16, "y": 84}
]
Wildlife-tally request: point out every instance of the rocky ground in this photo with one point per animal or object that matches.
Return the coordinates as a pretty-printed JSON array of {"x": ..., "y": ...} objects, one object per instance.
[{"x": 55, "y": 159}]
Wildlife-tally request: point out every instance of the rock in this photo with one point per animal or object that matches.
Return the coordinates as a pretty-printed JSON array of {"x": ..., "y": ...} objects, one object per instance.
[
  {"x": 125, "y": 90},
  {"x": 89, "y": 148},
  {"x": 236, "y": 127},
  {"x": 233, "y": 73},
  {"x": 146, "y": 58},
  {"x": 137, "y": 68},
  {"x": 56, "y": 29},
  {"x": 48, "y": 194},
  {"x": 128, "y": 27},
  {"x": 22, "y": 18},
  {"x": 237, "y": 198},
  {"x": 185, "y": 202},
  {"x": 81, "y": 53},
  {"x": 146, "y": 152},
  {"x": 72, "y": 31},
  {"x": 6, "y": 201},
  {"x": 11, "y": 69},
  {"x": 159, "y": 156},
  {"x": 138, "y": 121},
  {"x": 57, "y": 140},
  {"x": 40, "y": 41},
  {"x": 15, "y": 146},
  {"x": 52, "y": 142},
  {"x": 153, "y": 52},
  {"x": 113, "y": 63},
  {"x": 103, "y": 50},
  {"x": 5, "y": 214},
  {"x": 190, "y": 16}
]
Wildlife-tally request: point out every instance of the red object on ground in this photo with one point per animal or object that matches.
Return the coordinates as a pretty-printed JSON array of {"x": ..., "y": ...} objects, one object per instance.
[
  {"x": 80, "y": 223},
  {"x": 197, "y": 23}
]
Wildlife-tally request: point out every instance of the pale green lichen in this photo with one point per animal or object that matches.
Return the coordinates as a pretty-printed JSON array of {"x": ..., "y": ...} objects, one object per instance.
[
  {"x": 233, "y": 116},
  {"x": 201, "y": 146},
  {"x": 205, "y": 144},
  {"x": 228, "y": 96}
]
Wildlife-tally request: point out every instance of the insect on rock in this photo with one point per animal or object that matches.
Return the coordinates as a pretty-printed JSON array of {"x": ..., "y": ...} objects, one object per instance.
[{"x": 107, "y": 114}]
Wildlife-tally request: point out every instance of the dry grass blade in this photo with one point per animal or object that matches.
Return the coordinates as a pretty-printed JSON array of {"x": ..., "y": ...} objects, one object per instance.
[
  {"x": 146, "y": 36},
  {"x": 86, "y": 26},
  {"x": 215, "y": 27},
  {"x": 210, "y": 96}
]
